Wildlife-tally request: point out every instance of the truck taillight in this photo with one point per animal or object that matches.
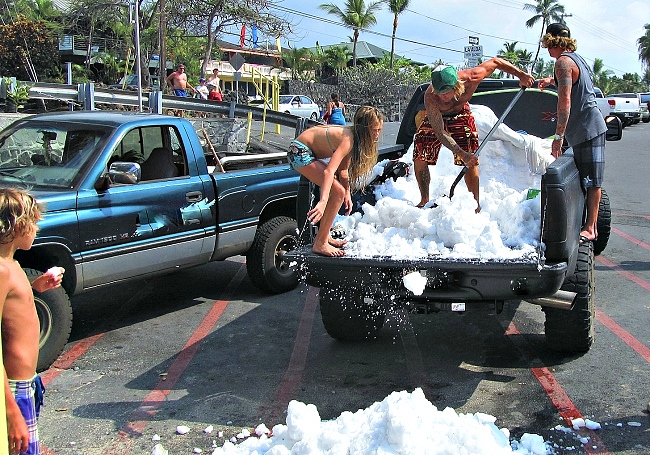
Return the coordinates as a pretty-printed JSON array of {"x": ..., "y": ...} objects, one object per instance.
[{"x": 612, "y": 103}]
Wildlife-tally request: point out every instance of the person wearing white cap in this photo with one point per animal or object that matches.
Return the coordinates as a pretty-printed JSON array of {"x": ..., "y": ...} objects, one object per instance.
[
  {"x": 449, "y": 117},
  {"x": 578, "y": 119}
]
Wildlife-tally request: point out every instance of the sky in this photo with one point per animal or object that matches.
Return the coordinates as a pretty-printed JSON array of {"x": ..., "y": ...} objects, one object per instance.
[{"x": 603, "y": 29}]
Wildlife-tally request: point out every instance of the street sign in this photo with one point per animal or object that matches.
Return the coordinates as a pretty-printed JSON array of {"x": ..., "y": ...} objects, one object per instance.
[
  {"x": 236, "y": 61},
  {"x": 473, "y": 51},
  {"x": 473, "y": 40}
]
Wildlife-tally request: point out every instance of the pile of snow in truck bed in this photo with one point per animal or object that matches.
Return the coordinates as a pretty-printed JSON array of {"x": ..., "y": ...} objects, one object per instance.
[{"x": 508, "y": 226}]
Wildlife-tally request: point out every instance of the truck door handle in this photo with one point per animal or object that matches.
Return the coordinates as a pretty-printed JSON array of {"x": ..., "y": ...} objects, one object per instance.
[{"x": 194, "y": 196}]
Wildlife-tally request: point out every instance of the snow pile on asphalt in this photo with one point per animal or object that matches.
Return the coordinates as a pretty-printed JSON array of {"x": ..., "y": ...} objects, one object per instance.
[
  {"x": 403, "y": 423},
  {"x": 508, "y": 226}
]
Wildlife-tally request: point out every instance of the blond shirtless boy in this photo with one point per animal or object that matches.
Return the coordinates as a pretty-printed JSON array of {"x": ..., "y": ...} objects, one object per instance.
[{"x": 20, "y": 325}]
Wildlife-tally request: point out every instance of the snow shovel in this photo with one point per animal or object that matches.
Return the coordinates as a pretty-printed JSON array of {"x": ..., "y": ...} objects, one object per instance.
[{"x": 487, "y": 138}]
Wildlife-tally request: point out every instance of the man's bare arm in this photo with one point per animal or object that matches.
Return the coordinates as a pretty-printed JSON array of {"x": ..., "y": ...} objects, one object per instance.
[{"x": 563, "y": 73}]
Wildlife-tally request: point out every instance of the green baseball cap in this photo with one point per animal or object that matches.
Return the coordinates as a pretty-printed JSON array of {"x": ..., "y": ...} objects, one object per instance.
[{"x": 443, "y": 78}]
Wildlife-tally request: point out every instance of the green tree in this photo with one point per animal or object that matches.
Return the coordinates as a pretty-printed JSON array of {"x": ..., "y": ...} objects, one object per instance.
[
  {"x": 396, "y": 7},
  {"x": 355, "y": 15},
  {"x": 546, "y": 11},
  {"x": 509, "y": 53},
  {"x": 644, "y": 46},
  {"x": 28, "y": 49}
]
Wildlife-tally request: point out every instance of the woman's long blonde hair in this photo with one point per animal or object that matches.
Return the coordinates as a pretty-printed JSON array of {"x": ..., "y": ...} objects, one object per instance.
[{"x": 364, "y": 150}]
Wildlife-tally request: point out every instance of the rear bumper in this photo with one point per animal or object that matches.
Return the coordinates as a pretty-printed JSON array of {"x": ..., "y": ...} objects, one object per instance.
[{"x": 447, "y": 281}]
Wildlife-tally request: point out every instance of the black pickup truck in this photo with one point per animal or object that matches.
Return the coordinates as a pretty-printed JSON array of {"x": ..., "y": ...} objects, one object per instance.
[{"x": 560, "y": 280}]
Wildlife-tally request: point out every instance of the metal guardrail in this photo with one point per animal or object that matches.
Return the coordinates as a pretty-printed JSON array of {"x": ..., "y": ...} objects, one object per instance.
[{"x": 86, "y": 96}]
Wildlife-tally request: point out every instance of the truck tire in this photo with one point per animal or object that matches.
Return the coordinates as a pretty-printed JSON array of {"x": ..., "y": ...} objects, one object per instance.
[
  {"x": 55, "y": 315},
  {"x": 350, "y": 317},
  {"x": 265, "y": 262},
  {"x": 603, "y": 224},
  {"x": 573, "y": 331}
]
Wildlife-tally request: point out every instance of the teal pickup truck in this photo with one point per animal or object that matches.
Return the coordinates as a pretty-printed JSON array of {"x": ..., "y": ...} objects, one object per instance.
[{"x": 134, "y": 195}]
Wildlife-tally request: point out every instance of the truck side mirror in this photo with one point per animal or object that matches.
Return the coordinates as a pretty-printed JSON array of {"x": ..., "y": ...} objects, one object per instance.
[{"x": 614, "y": 128}]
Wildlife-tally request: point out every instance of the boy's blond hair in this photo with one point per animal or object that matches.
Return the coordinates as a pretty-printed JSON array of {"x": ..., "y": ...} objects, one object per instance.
[{"x": 19, "y": 211}]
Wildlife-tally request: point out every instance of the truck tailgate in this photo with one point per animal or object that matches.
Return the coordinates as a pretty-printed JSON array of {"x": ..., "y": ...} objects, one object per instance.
[{"x": 447, "y": 280}]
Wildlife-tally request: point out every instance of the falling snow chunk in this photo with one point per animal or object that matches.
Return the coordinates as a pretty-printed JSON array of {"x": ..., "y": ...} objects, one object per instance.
[
  {"x": 182, "y": 429},
  {"x": 197, "y": 450},
  {"x": 634, "y": 424},
  {"x": 415, "y": 282},
  {"x": 578, "y": 423},
  {"x": 208, "y": 429},
  {"x": 155, "y": 437}
]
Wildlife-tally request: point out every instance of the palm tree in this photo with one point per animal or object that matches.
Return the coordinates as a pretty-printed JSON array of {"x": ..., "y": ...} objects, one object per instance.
[
  {"x": 644, "y": 46},
  {"x": 355, "y": 15},
  {"x": 547, "y": 11},
  {"x": 337, "y": 57},
  {"x": 396, "y": 7},
  {"x": 510, "y": 53},
  {"x": 600, "y": 75}
]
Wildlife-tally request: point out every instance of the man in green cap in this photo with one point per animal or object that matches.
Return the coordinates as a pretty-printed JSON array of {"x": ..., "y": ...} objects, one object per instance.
[{"x": 449, "y": 121}]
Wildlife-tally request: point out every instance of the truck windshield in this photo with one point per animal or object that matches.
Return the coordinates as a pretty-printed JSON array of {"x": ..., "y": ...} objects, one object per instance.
[{"x": 46, "y": 156}]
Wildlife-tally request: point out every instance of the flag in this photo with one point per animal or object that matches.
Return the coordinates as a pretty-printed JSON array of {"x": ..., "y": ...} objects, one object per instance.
[
  {"x": 278, "y": 45},
  {"x": 254, "y": 35},
  {"x": 242, "y": 36}
]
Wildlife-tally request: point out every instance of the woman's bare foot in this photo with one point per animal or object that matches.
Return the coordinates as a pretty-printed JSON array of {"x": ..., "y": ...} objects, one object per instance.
[
  {"x": 336, "y": 243},
  {"x": 327, "y": 250}
]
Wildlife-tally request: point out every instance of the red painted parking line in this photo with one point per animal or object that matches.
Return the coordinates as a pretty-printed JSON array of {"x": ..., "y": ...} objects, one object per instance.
[
  {"x": 624, "y": 273},
  {"x": 139, "y": 419},
  {"x": 555, "y": 392},
  {"x": 67, "y": 359},
  {"x": 292, "y": 378},
  {"x": 630, "y": 238},
  {"x": 624, "y": 335}
]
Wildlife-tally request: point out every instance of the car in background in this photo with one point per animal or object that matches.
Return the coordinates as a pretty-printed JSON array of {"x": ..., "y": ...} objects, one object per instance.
[
  {"x": 130, "y": 82},
  {"x": 644, "y": 100},
  {"x": 299, "y": 105},
  {"x": 637, "y": 117}
]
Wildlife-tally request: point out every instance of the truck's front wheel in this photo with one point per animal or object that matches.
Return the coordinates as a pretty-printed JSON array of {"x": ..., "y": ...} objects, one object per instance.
[
  {"x": 349, "y": 315},
  {"x": 55, "y": 316},
  {"x": 572, "y": 331},
  {"x": 265, "y": 263}
]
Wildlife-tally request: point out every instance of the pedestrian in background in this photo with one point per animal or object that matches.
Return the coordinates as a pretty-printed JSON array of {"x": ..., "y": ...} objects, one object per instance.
[{"x": 336, "y": 111}]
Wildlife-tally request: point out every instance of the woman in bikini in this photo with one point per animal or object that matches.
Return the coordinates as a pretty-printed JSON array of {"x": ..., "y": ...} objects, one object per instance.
[{"x": 352, "y": 153}]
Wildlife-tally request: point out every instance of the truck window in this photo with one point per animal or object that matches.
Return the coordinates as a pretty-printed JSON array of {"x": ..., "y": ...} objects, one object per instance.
[{"x": 157, "y": 149}]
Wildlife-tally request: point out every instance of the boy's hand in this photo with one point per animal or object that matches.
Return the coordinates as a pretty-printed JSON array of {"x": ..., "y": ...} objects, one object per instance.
[
  {"x": 49, "y": 280},
  {"x": 17, "y": 431}
]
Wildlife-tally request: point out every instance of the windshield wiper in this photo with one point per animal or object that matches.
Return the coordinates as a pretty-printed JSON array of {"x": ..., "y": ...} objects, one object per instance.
[{"x": 11, "y": 176}]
